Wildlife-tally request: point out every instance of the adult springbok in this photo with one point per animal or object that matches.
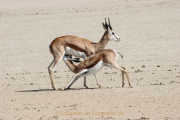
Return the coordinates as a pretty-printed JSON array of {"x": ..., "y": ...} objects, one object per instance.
[
  {"x": 94, "y": 64},
  {"x": 79, "y": 47}
]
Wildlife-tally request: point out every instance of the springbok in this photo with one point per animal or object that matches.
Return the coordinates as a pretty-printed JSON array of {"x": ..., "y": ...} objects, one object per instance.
[
  {"x": 79, "y": 47},
  {"x": 94, "y": 64}
]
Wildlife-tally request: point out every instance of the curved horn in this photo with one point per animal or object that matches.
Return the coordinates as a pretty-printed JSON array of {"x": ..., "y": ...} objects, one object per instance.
[
  {"x": 106, "y": 24},
  {"x": 109, "y": 24},
  {"x": 109, "y": 21},
  {"x": 105, "y": 21}
]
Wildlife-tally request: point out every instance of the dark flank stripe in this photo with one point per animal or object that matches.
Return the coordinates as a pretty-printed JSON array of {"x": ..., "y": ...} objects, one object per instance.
[{"x": 92, "y": 62}]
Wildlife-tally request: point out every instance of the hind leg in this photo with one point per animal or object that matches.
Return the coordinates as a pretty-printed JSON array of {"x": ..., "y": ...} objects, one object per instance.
[
  {"x": 51, "y": 68},
  {"x": 127, "y": 76},
  {"x": 123, "y": 70}
]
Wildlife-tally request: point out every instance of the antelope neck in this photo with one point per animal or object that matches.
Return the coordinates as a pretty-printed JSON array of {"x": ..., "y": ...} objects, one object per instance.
[{"x": 102, "y": 43}]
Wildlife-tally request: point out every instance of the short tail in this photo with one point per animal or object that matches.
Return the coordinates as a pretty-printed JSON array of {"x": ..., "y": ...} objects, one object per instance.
[{"x": 120, "y": 54}]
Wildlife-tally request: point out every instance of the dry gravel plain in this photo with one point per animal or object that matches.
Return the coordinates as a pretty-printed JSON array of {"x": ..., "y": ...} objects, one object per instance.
[{"x": 150, "y": 43}]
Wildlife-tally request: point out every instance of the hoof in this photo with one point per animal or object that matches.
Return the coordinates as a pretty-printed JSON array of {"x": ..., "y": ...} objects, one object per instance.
[
  {"x": 55, "y": 88},
  {"x": 123, "y": 84},
  {"x": 100, "y": 86},
  {"x": 130, "y": 86},
  {"x": 62, "y": 89},
  {"x": 86, "y": 86}
]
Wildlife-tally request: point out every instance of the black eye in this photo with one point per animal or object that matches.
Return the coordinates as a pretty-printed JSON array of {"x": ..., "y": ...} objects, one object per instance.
[{"x": 113, "y": 33}]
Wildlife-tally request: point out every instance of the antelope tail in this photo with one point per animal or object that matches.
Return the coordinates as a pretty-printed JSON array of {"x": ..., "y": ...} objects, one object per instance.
[{"x": 120, "y": 54}]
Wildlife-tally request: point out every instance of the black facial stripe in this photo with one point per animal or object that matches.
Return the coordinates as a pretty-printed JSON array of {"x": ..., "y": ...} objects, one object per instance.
[{"x": 114, "y": 35}]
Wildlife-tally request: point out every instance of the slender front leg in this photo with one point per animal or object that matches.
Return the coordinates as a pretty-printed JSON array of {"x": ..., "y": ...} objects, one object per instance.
[
  {"x": 71, "y": 82},
  {"x": 75, "y": 77},
  {"x": 85, "y": 83},
  {"x": 85, "y": 77},
  {"x": 97, "y": 81},
  {"x": 123, "y": 82}
]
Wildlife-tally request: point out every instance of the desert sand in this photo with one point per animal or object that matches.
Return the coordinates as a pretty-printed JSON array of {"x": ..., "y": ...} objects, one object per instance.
[{"x": 150, "y": 43}]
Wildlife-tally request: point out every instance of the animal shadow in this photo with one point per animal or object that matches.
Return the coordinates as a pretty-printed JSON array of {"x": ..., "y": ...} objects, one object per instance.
[{"x": 70, "y": 89}]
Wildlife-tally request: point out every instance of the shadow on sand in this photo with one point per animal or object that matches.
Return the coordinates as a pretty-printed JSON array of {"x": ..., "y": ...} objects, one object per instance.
[{"x": 56, "y": 90}]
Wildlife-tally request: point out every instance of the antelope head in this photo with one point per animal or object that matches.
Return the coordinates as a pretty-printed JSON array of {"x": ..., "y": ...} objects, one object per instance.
[{"x": 113, "y": 36}]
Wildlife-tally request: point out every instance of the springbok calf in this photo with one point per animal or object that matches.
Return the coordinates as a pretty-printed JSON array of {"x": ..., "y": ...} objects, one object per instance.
[
  {"x": 94, "y": 64},
  {"x": 79, "y": 47}
]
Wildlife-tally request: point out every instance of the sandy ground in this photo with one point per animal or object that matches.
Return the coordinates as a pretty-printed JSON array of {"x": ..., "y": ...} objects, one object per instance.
[{"x": 150, "y": 43}]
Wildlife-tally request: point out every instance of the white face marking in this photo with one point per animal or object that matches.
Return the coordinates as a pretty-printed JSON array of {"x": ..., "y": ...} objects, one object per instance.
[
  {"x": 94, "y": 69},
  {"x": 114, "y": 37},
  {"x": 75, "y": 53}
]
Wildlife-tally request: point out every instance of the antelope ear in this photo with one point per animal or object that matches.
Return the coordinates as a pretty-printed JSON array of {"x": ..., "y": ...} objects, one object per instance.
[{"x": 104, "y": 26}]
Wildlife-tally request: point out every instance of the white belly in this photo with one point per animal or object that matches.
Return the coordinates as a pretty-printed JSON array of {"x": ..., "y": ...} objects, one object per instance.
[
  {"x": 75, "y": 53},
  {"x": 94, "y": 69}
]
